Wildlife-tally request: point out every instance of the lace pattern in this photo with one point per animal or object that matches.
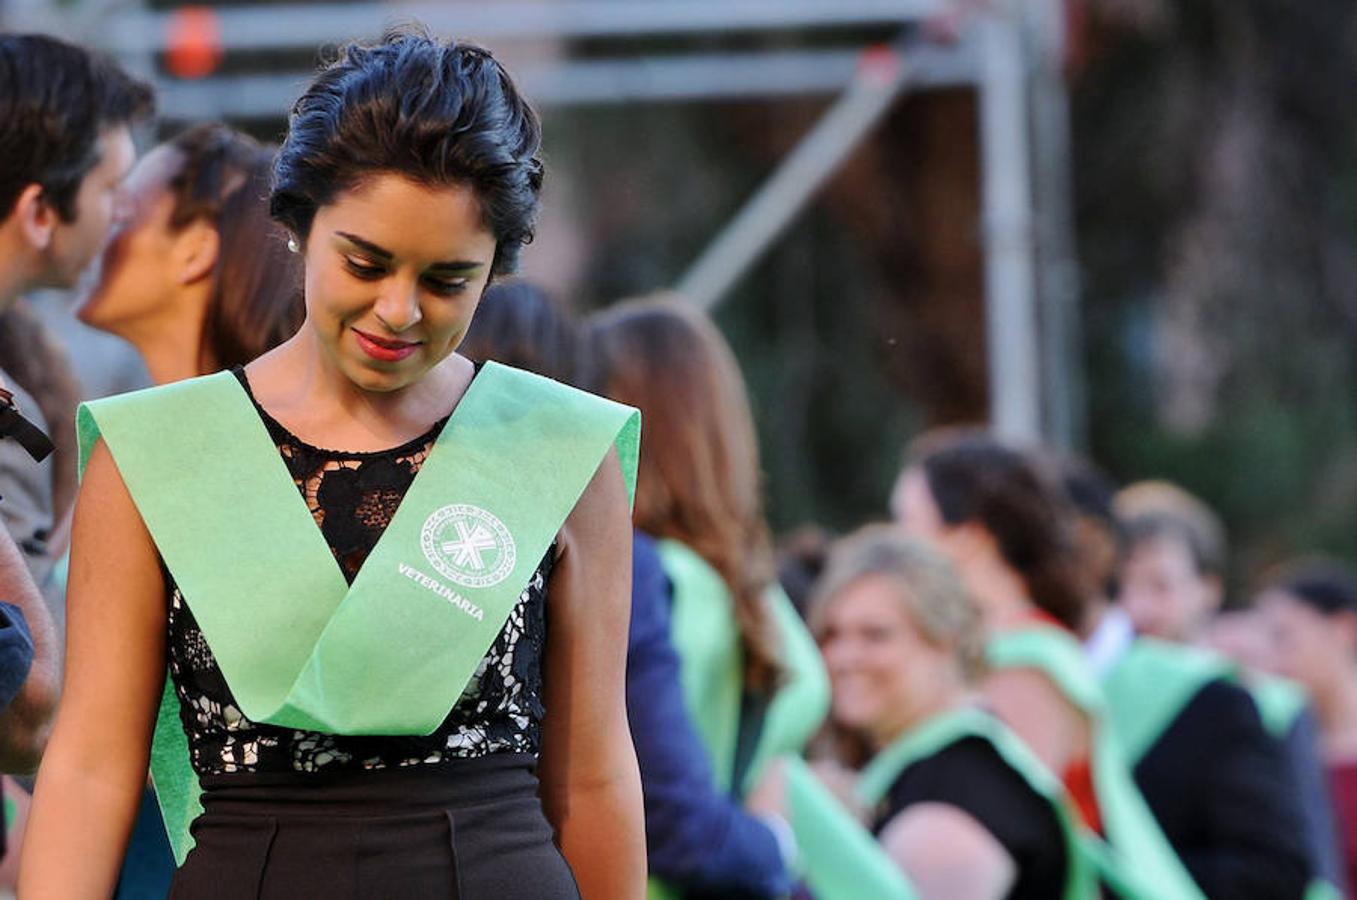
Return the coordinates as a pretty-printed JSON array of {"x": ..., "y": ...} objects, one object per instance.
[{"x": 352, "y": 497}]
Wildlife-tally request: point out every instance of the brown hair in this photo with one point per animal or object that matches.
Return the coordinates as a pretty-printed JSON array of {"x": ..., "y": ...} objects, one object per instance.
[
  {"x": 699, "y": 470},
  {"x": 256, "y": 300},
  {"x": 974, "y": 478},
  {"x": 517, "y": 323},
  {"x": 1161, "y": 509}
]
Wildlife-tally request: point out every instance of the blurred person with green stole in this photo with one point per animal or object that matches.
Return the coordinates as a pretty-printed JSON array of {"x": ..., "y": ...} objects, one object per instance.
[
  {"x": 753, "y": 682},
  {"x": 357, "y": 642},
  {"x": 992, "y": 512},
  {"x": 1261, "y": 825},
  {"x": 956, "y": 800}
]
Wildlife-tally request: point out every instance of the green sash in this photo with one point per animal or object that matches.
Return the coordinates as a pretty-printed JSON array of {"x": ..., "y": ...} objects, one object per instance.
[
  {"x": 838, "y": 858},
  {"x": 711, "y": 668},
  {"x": 711, "y": 673},
  {"x": 1153, "y": 681},
  {"x": 948, "y": 728},
  {"x": 1280, "y": 702},
  {"x": 1137, "y": 860},
  {"x": 299, "y": 647},
  {"x": 1150, "y": 685}
]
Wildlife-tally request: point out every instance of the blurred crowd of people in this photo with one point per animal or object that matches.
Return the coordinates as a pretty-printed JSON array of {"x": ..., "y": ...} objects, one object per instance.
[{"x": 1024, "y": 681}]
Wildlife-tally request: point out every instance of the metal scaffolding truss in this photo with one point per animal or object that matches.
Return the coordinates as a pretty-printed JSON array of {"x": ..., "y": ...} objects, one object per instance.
[{"x": 1008, "y": 53}]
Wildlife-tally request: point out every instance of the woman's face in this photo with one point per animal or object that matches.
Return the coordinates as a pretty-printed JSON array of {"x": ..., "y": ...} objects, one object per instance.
[
  {"x": 1307, "y": 646},
  {"x": 916, "y": 511},
  {"x": 394, "y": 271},
  {"x": 883, "y": 673},
  {"x": 134, "y": 283}
]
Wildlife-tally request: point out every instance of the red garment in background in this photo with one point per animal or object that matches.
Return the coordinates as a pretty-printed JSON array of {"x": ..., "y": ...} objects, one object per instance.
[
  {"x": 1078, "y": 775},
  {"x": 1343, "y": 779}
]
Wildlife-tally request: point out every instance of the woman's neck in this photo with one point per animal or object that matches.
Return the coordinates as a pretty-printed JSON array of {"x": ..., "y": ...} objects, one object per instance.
[
  {"x": 305, "y": 390},
  {"x": 999, "y": 591},
  {"x": 949, "y": 695},
  {"x": 172, "y": 349}
]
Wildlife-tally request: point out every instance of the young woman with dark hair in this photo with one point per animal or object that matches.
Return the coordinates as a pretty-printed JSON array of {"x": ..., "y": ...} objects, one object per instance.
[
  {"x": 993, "y": 512},
  {"x": 361, "y": 700},
  {"x": 199, "y": 278},
  {"x": 753, "y": 682}
]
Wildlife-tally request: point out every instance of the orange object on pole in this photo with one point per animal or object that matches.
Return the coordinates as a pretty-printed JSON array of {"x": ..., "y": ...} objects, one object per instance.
[{"x": 193, "y": 42}]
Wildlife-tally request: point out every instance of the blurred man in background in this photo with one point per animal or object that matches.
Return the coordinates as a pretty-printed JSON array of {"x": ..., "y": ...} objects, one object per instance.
[{"x": 65, "y": 145}]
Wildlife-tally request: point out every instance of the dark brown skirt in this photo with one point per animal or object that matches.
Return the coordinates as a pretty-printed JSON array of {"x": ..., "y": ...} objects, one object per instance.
[{"x": 473, "y": 830}]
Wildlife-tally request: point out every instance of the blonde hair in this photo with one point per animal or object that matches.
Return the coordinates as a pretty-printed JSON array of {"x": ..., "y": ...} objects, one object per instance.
[
  {"x": 932, "y": 594},
  {"x": 699, "y": 480}
]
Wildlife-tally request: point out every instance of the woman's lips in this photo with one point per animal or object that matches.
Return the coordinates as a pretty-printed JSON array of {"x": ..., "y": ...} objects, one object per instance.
[{"x": 383, "y": 349}]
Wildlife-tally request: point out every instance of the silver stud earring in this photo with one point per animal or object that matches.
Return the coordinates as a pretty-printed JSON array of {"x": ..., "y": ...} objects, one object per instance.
[{"x": 293, "y": 246}]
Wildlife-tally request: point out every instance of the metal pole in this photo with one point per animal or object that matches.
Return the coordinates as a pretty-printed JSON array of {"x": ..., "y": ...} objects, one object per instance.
[
  {"x": 1010, "y": 287},
  {"x": 282, "y": 26},
  {"x": 881, "y": 77},
  {"x": 690, "y": 77},
  {"x": 1058, "y": 272}
]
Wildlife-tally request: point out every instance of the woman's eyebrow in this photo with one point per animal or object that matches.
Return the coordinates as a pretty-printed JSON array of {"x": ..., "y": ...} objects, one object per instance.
[{"x": 379, "y": 252}]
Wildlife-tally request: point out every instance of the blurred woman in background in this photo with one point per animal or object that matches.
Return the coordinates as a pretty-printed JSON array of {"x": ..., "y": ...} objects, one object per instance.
[
  {"x": 752, "y": 679},
  {"x": 954, "y": 798},
  {"x": 199, "y": 278},
  {"x": 519, "y": 324},
  {"x": 997, "y": 518},
  {"x": 1311, "y": 613}
]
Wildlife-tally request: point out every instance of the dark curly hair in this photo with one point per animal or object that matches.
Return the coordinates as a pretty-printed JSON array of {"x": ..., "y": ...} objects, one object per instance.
[
  {"x": 974, "y": 478},
  {"x": 55, "y": 98},
  {"x": 439, "y": 113}
]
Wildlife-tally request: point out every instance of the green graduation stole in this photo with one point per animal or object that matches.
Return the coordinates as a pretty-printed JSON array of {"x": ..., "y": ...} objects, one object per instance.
[
  {"x": 1150, "y": 685},
  {"x": 711, "y": 668},
  {"x": 1280, "y": 702},
  {"x": 946, "y": 729},
  {"x": 300, "y": 647},
  {"x": 711, "y": 673},
  {"x": 1136, "y": 860},
  {"x": 838, "y": 858}
]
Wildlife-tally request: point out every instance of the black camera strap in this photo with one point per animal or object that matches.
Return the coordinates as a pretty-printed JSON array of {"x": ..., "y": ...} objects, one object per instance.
[{"x": 14, "y": 425}]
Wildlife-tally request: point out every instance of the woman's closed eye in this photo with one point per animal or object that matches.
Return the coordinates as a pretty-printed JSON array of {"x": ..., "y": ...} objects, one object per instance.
[
  {"x": 447, "y": 286},
  {"x": 363, "y": 269},
  {"x": 371, "y": 271}
]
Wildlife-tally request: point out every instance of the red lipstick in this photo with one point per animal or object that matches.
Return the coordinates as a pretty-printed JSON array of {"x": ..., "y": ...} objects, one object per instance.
[{"x": 384, "y": 349}]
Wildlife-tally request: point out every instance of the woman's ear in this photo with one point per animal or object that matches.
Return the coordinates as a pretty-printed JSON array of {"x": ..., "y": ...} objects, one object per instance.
[
  {"x": 36, "y": 218},
  {"x": 195, "y": 253}
]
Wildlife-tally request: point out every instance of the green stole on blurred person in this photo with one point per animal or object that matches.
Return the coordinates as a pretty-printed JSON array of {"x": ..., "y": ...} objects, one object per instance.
[
  {"x": 711, "y": 674},
  {"x": 1153, "y": 681},
  {"x": 300, "y": 647},
  {"x": 942, "y": 731},
  {"x": 1136, "y": 860}
]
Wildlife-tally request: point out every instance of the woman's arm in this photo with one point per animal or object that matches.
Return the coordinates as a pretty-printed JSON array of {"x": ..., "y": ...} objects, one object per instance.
[
  {"x": 590, "y": 787},
  {"x": 947, "y": 854},
  {"x": 94, "y": 769}
]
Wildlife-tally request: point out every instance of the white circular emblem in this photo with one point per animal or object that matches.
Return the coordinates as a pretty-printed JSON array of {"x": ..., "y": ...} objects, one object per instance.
[{"x": 468, "y": 545}]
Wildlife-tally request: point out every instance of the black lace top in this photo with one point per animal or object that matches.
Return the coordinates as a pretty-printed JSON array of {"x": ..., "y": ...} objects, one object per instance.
[{"x": 353, "y": 497}]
